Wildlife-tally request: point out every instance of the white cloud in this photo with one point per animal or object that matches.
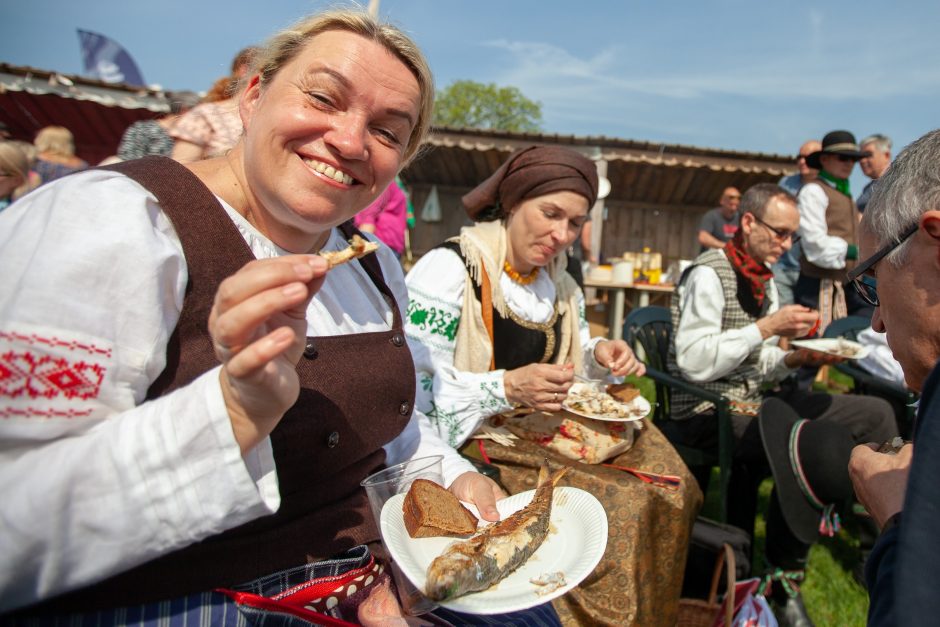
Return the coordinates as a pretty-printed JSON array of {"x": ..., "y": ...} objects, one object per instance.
[{"x": 556, "y": 77}]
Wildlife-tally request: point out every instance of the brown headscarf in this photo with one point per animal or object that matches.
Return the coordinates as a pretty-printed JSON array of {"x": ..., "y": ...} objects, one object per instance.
[{"x": 529, "y": 173}]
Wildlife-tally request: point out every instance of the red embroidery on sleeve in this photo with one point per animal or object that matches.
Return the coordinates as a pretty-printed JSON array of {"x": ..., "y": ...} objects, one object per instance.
[
  {"x": 26, "y": 374},
  {"x": 35, "y": 412},
  {"x": 55, "y": 342}
]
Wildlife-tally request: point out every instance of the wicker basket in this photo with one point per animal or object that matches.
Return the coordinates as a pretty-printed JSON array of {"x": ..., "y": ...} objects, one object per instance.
[{"x": 699, "y": 613}]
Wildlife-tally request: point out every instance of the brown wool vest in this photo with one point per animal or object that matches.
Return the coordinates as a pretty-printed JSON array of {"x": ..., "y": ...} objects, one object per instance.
[
  {"x": 357, "y": 393},
  {"x": 841, "y": 221}
]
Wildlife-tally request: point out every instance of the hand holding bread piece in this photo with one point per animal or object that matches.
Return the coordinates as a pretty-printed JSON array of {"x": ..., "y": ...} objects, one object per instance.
[
  {"x": 358, "y": 247},
  {"x": 430, "y": 510}
]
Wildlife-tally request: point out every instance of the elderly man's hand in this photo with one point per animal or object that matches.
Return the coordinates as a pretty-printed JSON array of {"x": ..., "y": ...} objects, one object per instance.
[
  {"x": 617, "y": 355},
  {"x": 788, "y": 321},
  {"x": 258, "y": 326},
  {"x": 880, "y": 480},
  {"x": 472, "y": 487}
]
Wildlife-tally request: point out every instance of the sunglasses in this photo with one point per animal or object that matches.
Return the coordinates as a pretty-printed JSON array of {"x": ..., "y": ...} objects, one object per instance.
[
  {"x": 865, "y": 284},
  {"x": 780, "y": 234},
  {"x": 845, "y": 158}
]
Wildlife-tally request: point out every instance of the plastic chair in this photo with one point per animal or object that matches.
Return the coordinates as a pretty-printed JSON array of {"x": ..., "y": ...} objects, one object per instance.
[
  {"x": 865, "y": 382},
  {"x": 650, "y": 328}
]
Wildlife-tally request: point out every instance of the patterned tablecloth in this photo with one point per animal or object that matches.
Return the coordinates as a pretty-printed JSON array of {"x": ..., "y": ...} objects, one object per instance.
[{"x": 639, "y": 579}]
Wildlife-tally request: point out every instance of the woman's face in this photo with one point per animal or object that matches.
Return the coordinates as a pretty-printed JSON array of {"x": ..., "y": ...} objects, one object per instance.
[
  {"x": 540, "y": 228},
  {"x": 9, "y": 181},
  {"x": 325, "y": 136}
]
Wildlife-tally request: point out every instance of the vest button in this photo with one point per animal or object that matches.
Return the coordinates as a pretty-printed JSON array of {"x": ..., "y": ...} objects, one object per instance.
[
  {"x": 310, "y": 351},
  {"x": 405, "y": 408},
  {"x": 398, "y": 340},
  {"x": 333, "y": 440}
]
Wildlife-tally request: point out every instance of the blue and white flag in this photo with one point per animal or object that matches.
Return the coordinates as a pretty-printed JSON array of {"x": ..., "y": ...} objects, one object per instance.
[{"x": 107, "y": 60}]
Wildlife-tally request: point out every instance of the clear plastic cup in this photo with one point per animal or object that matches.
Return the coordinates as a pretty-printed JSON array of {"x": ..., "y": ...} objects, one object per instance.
[{"x": 382, "y": 486}]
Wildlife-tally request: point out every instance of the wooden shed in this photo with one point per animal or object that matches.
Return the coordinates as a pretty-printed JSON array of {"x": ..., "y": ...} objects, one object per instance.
[
  {"x": 97, "y": 113},
  {"x": 658, "y": 191}
]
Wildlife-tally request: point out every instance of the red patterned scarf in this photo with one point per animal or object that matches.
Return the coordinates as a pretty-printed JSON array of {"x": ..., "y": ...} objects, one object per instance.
[{"x": 756, "y": 274}]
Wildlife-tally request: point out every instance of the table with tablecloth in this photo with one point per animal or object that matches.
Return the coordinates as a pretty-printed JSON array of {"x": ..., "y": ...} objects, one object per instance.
[{"x": 639, "y": 579}]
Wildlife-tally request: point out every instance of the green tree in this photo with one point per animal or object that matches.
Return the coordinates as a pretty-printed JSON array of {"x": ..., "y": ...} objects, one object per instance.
[{"x": 478, "y": 105}]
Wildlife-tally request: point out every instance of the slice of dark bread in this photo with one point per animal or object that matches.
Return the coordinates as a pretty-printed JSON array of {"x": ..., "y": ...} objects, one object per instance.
[{"x": 430, "y": 510}]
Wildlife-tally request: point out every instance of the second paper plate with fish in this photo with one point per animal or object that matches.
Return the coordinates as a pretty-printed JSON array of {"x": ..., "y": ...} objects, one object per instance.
[{"x": 574, "y": 546}]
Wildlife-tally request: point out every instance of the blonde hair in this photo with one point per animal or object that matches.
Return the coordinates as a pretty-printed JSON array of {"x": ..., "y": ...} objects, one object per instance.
[
  {"x": 56, "y": 140},
  {"x": 14, "y": 161},
  {"x": 285, "y": 45}
]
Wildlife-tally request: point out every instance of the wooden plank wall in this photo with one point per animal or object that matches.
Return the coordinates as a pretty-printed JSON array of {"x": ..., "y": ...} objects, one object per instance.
[
  {"x": 669, "y": 230},
  {"x": 427, "y": 235}
]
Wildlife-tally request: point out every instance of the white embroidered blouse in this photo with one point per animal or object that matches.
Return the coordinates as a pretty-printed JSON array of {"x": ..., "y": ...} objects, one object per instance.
[
  {"x": 95, "y": 480},
  {"x": 456, "y": 402}
]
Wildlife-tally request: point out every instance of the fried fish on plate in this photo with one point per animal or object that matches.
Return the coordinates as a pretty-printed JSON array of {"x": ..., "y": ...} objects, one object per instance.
[{"x": 476, "y": 564}]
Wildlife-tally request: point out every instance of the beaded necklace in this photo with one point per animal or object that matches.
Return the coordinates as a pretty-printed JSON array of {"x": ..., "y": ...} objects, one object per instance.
[{"x": 519, "y": 278}]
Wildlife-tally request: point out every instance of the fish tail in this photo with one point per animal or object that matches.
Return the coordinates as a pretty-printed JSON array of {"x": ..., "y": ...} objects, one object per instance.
[{"x": 546, "y": 474}]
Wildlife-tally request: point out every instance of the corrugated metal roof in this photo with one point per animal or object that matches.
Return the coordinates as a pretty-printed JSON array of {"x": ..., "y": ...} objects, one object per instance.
[
  {"x": 642, "y": 172},
  {"x": 96, "y": 112}
]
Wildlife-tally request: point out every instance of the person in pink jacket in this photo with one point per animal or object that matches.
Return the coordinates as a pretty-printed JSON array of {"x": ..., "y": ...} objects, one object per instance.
[{"x": 386, "y": 218}]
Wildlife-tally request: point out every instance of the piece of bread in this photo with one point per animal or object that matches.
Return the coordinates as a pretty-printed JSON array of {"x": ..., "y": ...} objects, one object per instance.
[
  {"x": 623, "y": 392},
  {"x": 358, "y": 247},
  {"x": 430, "y": 511}
]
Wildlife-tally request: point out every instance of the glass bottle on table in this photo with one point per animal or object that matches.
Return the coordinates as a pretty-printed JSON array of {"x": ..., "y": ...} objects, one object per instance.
[{"x": 644, "y": 265}]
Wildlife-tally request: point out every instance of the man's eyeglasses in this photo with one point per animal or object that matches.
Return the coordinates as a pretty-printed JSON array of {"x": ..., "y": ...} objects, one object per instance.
[
  {"x": 844, "y": 158},
  {"x": 780, "y": 234},
  {"x": 865, "y": 284}
]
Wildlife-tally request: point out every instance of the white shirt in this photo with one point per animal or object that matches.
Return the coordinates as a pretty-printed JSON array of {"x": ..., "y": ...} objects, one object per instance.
[
  {"x": 820, "y": 248},
  {"x": 880, "y": 360},
  {"x": 95, "y": 480},
  {"x": 458, "y": 401},
  {"x": 705, "y": 353}
]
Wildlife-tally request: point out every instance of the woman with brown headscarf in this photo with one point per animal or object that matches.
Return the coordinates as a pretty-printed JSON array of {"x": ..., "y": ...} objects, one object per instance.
[
  {"x": 496, "y": 326},
  {"x": 525, "y": 348}
]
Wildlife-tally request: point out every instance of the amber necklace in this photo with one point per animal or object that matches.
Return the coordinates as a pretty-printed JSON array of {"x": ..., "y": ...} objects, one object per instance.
[{"x": 519, "y": 278}]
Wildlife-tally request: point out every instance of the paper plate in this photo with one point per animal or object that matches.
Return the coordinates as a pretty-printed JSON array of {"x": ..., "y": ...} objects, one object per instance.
[
  {"x": 638, "y": 408},
  {"x": 837, "y": 346},
  {"x": 574, "y": 546}
]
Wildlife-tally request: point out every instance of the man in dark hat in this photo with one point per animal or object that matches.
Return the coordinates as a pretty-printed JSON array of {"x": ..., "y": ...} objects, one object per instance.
[
  {"x": 828, "y": 227},
  {"x": 900, "y": 276},
  {"x": 727, "y": 326}
]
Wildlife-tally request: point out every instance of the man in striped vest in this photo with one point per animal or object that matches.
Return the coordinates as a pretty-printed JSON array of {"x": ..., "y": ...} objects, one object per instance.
[{"x": 727, "y": 326}]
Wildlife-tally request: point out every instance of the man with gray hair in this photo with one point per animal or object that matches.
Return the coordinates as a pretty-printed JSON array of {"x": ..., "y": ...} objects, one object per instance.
[
  {"x": 874, "y": 165},
  {"x": 900, "y": 276}
]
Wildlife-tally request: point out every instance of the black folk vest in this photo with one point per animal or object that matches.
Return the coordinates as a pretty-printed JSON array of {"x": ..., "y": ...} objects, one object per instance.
[
  {"x": 357, "y": 394},
  {"x": 517, "y": 342}
]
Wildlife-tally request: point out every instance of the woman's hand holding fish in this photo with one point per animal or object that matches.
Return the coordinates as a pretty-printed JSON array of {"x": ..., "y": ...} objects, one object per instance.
[{"x": 472, "y": 487}]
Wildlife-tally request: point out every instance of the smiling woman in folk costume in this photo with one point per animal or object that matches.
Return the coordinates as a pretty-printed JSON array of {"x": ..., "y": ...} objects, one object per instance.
[
  {"x": 186, "y": 405},
  {"x": 497, "y": 324}
]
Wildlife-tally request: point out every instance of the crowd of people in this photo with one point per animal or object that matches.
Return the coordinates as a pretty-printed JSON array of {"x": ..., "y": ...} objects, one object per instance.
[{"x": 196, "y": 395}]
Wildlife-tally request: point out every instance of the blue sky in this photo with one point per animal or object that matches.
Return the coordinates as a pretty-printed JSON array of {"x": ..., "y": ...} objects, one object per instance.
[{"x": 724, "y": 74}]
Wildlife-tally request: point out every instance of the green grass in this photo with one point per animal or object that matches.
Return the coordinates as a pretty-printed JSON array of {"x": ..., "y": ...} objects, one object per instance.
[{"x": 830, "y": 592}]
